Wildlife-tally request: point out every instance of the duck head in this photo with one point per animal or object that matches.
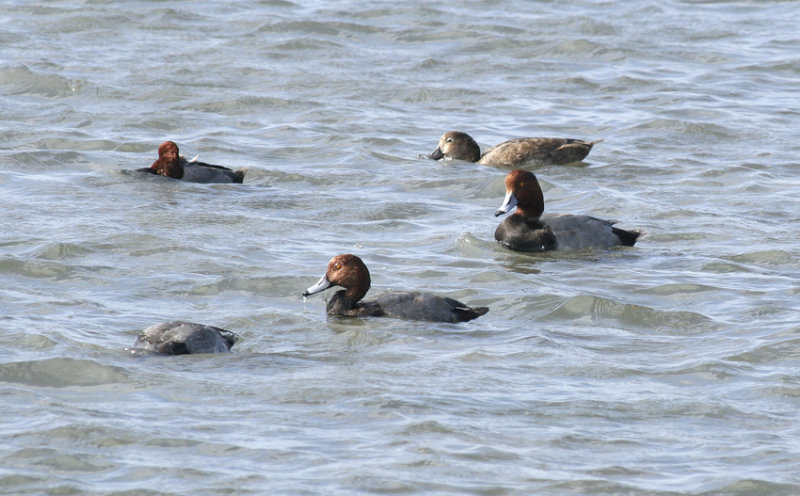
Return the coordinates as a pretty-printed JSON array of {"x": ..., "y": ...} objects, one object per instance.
[
  {"x": 169, "y": 161},
  {"x": 455, "y": 145},
  {"x": 522, "y": 191},
  {"x": 347, "y": 271}
]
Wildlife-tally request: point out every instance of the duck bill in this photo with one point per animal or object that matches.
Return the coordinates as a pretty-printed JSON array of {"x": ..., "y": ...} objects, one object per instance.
[
  {"x": 509, "y": 202},
  {"x": 320, "y": 286},
  {"x": 437, "y": 154}
]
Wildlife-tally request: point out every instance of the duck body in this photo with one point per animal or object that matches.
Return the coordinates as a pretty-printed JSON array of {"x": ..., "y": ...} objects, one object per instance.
[
  {"x": 179, "y": 337},
  {"x": 522, "y": 152},
  {"x": 518, "y": 152},
  {"x": 528, "y": 229},
  {"x": 171, "y": 164},
  {"x": 561, "y": 232},
  {"x": 349, "y": 272},
  {"x": 408, "y": 305},
  {"x": 200, "y": 172}
]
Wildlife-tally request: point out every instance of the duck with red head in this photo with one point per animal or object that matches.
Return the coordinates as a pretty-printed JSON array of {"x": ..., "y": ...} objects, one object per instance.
[
  {"x": 171, "y": 164},
  {"x": 518, "y": 152},
  {"x": 349, "y": 272},
  {"x": 528, "y": 229}
]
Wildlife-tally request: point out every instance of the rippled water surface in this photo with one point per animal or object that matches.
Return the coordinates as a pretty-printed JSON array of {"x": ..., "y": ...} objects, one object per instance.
[{"x": 666, "y": 368}]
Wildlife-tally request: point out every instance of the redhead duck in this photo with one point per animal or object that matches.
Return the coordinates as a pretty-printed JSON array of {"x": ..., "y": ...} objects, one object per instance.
[
  {"x": 519, "y": 152},
  {"x": 183, "y": 338},
  {"x": 528, "y": 230},
  {"x": 171, "y": 164},
  {"x": 349, "y": 272}
]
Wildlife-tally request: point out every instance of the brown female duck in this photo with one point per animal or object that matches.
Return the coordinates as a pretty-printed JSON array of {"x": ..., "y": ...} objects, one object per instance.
[{"x": 519, "y": 152}]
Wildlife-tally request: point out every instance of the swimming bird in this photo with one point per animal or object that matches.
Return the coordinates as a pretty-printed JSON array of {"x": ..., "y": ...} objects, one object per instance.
[
  {"x": 528, "y": 230},
  {"x": 350, "y": 272},
  {"x": 171, "y": 164},
  {"x": 519, "y": 152},
  {"x": 178, "y": 337}
]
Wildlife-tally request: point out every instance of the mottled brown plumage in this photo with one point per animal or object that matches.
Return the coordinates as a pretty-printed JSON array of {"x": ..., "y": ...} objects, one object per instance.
[{"x": 519, "y": 152}]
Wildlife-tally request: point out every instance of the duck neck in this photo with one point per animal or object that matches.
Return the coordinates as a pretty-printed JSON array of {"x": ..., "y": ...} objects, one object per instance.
[
  {"x": 356, "y": 293},
  {"x": 528, "y": 213},
  {"x": 169, "y": 168},
  {"x": 345, "y": 300},
  {"x": 474, "y": 154},
  {"x": 340, "y": 303}
]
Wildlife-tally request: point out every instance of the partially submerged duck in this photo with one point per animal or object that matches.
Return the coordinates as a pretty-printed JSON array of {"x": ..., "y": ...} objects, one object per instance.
[
  {"x": 519, "y": 152},
  {"x": 171, "y": 164},
  {"x": 350, "y": 272},
  {"x": 528, "y": 230},
  {"x": 178, "y": 337}
]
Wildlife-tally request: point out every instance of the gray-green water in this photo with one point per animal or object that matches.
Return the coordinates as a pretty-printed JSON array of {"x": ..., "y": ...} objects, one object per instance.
[{"x": 666, "y": 368}]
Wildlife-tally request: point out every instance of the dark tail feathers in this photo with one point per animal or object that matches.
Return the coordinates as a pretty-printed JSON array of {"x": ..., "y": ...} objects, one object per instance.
[
  {"x": 626, "y": 238},
  {"x": 466, "y": 313}
]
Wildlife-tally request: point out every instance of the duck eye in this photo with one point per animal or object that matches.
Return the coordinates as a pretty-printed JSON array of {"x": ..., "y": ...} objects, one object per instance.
[
  {"x": 448, "y": 140},
  {"x": 337, "y": 266}
]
